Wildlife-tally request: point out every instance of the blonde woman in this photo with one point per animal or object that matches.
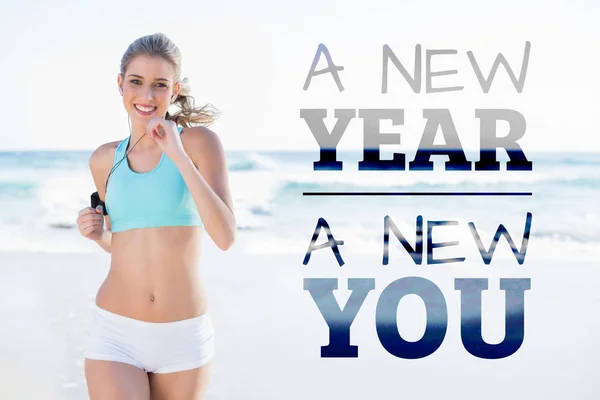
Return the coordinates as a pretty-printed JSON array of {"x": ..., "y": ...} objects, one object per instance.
[{"x": 151, "y": 335}]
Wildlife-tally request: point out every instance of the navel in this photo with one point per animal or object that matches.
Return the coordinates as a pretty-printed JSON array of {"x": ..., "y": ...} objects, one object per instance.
[{"x": 152, "y": 298}]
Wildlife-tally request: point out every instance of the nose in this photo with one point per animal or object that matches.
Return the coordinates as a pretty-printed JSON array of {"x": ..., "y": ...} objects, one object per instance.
[{"x": 148, "y": 93}]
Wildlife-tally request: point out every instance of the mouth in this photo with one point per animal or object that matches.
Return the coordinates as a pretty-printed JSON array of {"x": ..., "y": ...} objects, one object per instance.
[{"x": 144, "y": 110}]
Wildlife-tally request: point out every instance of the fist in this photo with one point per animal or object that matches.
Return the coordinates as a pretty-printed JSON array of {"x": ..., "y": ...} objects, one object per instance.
[{"x": 91, "y": 222}]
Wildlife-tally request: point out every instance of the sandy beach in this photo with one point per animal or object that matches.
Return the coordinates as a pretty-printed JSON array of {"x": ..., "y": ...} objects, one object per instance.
[{"x": 269, "y": 330}]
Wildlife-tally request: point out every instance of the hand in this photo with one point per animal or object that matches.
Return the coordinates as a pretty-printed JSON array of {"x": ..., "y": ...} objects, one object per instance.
[
  {"x": 167, "y": 136},
  {"x": 91, "y": 223}
]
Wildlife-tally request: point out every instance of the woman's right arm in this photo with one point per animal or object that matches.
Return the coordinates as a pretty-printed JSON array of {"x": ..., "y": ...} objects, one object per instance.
[{"x": 100, "y": 164}]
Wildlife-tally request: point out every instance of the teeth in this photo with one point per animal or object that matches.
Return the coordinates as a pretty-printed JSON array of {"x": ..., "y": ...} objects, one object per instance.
[{"x": 145, "y": 109}]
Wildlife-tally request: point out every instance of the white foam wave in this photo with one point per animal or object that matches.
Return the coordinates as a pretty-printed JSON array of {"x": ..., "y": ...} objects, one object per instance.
[
  {"x": 410, "y": 178},
  {"x": 252, "y": 161}
]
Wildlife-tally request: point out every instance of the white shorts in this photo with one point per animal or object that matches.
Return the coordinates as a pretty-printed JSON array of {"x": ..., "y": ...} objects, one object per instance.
[{"x": 158, "y": 347}]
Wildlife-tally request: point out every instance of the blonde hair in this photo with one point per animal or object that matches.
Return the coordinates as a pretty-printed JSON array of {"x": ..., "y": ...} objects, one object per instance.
[{"x": 160, "y": 46}]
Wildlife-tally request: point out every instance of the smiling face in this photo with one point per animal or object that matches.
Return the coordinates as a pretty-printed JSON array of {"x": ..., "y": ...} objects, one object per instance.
[{"x": 148, "y": 87}]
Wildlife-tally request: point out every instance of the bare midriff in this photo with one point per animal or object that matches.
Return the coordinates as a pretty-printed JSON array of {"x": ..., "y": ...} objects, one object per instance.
[{"x": 154, "y": 274}]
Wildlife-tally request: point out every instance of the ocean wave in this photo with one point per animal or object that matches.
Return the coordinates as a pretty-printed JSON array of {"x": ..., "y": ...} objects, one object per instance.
[
  {"x": 571, "y": 160},
  {"x": 357, "y": 182},
  {"x": 62, "y": 225},
  {"x": 590, "y": 183},
  {"x": 567, "y": 236},
  {"x": 253, "y": 162},
  {"x": 260, "y": 209},
  {"x": 17, "y": 189},
  {"x": 45, "y": 159}
]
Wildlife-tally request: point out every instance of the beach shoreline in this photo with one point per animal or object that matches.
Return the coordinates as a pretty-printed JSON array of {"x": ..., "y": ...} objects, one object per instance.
[{"x": 269, "y": 330}]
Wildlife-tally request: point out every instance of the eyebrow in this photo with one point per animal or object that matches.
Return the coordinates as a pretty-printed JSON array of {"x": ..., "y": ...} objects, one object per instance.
[{"x": 158, "y": 79}]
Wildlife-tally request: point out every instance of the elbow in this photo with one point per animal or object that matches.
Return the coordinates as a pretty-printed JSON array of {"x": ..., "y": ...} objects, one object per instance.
[
  {"x": 226, "y": 237},
  {"x": 225, "y": 245},
  {"x": 227, "y": 242}
]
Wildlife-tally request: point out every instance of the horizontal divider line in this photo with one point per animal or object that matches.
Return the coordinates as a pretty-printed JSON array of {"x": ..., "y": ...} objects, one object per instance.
[{"x": 417, "y": 194}]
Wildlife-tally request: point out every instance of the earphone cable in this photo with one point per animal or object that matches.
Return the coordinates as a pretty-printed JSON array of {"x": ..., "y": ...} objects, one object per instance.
[{"x": 124, "y": 156}]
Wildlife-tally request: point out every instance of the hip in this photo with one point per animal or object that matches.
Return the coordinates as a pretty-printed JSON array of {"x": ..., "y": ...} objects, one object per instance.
[{"x": 159, "y": 347}]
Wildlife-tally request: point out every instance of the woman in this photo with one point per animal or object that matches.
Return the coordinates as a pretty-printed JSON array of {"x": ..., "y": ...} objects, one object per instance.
[{"x": 151, "y": 334}]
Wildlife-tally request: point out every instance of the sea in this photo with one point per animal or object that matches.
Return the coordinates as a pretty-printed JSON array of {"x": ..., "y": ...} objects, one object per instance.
[{"x": 279, "y": 198}]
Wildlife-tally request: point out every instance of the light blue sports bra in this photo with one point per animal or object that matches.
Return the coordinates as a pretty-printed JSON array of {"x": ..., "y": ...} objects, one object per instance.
[{"x": 148, "y": 199}]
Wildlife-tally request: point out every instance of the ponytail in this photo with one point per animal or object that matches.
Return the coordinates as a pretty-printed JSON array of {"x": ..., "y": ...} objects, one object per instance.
[{"x": 188, "y": 115}]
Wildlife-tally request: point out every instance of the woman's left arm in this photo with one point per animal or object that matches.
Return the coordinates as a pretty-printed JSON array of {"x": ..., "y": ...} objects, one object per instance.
[{"x": 204, "y": 170}]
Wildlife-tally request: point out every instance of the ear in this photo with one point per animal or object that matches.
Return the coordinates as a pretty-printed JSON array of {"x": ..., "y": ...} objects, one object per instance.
[
  {"x": 176, "y": 89},
  {"x": 120, "y": 82}
]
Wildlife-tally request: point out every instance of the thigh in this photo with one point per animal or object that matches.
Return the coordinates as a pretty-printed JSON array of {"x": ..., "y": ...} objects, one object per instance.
[
  {"x": 112, "y": 380},
  {"x": 190, "y": 384}
]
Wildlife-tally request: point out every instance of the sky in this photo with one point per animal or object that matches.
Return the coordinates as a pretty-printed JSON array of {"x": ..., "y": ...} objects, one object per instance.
[{"x": 59, "y": 63}]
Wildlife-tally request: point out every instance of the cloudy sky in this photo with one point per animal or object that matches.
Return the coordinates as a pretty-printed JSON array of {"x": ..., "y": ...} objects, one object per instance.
[{"x": 59, "y": 63}]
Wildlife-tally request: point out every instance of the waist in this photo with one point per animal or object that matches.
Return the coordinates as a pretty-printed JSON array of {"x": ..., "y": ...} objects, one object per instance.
[
  {"x": 154, "y": 274},
  {"x": 167, "y": 301}
]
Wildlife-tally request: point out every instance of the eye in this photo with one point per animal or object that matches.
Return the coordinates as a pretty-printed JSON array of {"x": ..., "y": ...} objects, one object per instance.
[{"x": 137, "y": 82}]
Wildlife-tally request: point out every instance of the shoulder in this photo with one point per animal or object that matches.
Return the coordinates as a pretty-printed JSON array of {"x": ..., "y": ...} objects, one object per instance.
[
  {"x": 100, "y": 163},
  {"x": 202, "y": 143},
  {"x": 200, "y": 135},
  {"x": 103, "y": 156}
]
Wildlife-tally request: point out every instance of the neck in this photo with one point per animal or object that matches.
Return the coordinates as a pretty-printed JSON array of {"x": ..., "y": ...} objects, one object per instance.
[{"x": 139, "y": 136}]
